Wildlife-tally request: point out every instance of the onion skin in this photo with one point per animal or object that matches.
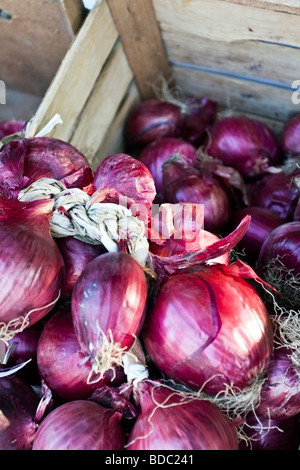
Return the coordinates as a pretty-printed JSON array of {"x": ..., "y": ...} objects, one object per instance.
[
  {"x": 200, "y": 115},
  {"x": 11, "y": 126},
  {"x": 208, "y": 355},
  {"x": 18, "y": 405},
  {"x": 156, "y": 153},
  {"x": 150, "y": 120},
  {"x": 31, "y": 266},
  {"x": 80, "y": 425},
  {"x": 290, "y": 136},
  {"x": 243, "y": 143},
  {"x": 191, "y": 425},
  {"x": 61, "y": 363},
  {"x": 110, "y": 295}
]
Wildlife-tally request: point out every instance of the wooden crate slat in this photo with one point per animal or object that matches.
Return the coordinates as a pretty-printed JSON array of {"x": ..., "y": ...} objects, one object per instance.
[
  {"x": 76, "y": 77},
  {"x": 100, "y": 110},
  {"x": 288, "y": 6}
]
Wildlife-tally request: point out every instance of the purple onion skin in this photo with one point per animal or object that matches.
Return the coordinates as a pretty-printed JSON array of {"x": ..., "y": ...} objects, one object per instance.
[
  {"x": 263, "y": 221},
  {"x": 61, "y": 363},
  {"x": 150, "y": 120},
  {"x": 271, "y": 434},
  {"x": 76, "y": 255},
  {"x": 11, "y": 126},
  {"x": 193, "y": 425},
  {"x": 109, "y": 295},
  {"x": 200, "y": 115},
  {"x": 280, "y": 394},
  {"x": 189, "y": 332},
  {"x": 80, "y": 425},
  {"x": 290, "y": 137},
  {"x": 155, "y": 154},
  {"x": 245, "y": 144},
  {"x": 18, "y": 405},
  {"x": 206, "y": 189},
  {"x": 282, "y": 247}
]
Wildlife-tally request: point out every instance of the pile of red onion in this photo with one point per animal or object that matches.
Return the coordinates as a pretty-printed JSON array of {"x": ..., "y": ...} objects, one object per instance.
[{"x": 194, "y": 348}]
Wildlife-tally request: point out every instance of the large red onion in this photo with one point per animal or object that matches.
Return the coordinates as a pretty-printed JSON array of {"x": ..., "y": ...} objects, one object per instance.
[
  {"x": 245, "y": 144},
  {"x": 209, "y": 328},
  {"x": 76, "y": 255},
  {"x": 290, "y": 137},
  {"x": 18, "y": 407},
  {"x": 29, "y": 159},
  {"x": 151, "y": 120},
  {"x": 155, "y": 154},
  {"x": 108, "y": 308},
  {"x": 31, "y": 266},
  {"x": 61, "y": 363},
  {"x": 80, "y": 425},
  {"x": 172, "y": 420},
  {"x": 279, "y": 261}
]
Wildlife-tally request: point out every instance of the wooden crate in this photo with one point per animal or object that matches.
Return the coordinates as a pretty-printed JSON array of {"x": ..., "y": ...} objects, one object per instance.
[
  {"x": 35, "y": 35},
  {"x": 242, "y": 53}
]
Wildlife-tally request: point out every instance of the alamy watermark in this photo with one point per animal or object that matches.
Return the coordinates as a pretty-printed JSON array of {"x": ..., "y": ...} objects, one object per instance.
[
  {"x": 296, "y": 93},
  {"x": 2, "y": 92}
]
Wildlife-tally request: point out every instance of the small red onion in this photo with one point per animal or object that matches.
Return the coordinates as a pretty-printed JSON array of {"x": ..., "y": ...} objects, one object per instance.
[
  {"x": 172, "y": 420},
  {"x": 61, "y": 363},
  {"x": 76, "y": 255},
  {"x": 151, "y": 120},
  {"x": 245, "y": 144},
  {"x": 209, "y": 328},
  {"x": 290, "y": 137},
  {"x": 80, "y": 425},
  {"x": 200, "y": 113},
  {"x": 108, "y": 308},
  {"x": 263, "y": 221},
  {"x": 154, "y": 155},
  {"x": 31, "y": 266},
  {"x": 11, "y": 126},
  {"x": 18, "y": 407}
]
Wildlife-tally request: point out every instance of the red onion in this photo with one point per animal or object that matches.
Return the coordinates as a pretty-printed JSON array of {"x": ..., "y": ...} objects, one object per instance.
[
  {"x": 124, "y": 180},
  {"x": 209, "y": 328},
  {"x": 204, "y": 188},
  {"x": 151, "y": 120},
  {"x": 31, "y": 266},
  {"x": 76, "y": 255},
  {"x": 61, "y": 364},
  {"x": 279, "y": 261},
  {"x": 243, "y": 143},
  {"x": 271, "y": 434},
  {"x": 199, "y": 115},
  {"x": 276, "y": 192},
  {"x": 171, "y": 420},
  {"x": 11, "y": 126},
  {"x": 290, "y": 136},
  {"x": 26, "y": 160},
  {"x": 154, "y": 155},
  {"x": 263, "y": 221},
  {"x": 80, "y": 425},
  {"x": 18, "y": 407},
  {"x": 108, "y": 308}
]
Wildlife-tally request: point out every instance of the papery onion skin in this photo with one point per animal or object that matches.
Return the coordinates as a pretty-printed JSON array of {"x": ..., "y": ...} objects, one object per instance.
[
  {"x": 31, "y": 266},
  {"x": 18, "y": 405},
  {"x": 243, "y": 143},
  {"x": 183, "y": 424},
  {"x": 209, "y": 329},
  {"x": 156, "y": 153},
  {"x": 76, "y": 255},
  {"x": 290, "y": 136},
  {"x": 150, "y": 120},
  {"x": 109, "y": 297},
  {"x": 80, "y": 425},
  {"x": 61, "y": 363}
]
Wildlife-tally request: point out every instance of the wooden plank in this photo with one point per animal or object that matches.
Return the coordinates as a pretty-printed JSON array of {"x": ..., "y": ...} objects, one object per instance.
[
  {"x": 288, "y": 6},
  {"x": 140, "y": 34},
  {"x": 76, "y": 77},
  {"x": 260, "y": 60},
  {"x": 34, "y": 40},
  {"x": 222, "y": 21},
  {"x": 101, "y": 108},
  {"x": 239, "y": 95}
]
